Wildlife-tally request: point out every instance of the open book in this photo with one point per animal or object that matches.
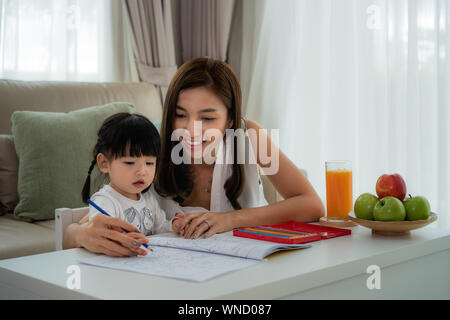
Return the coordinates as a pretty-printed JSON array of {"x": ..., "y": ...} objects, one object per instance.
[
  {"x": 194, "y": 260},
  {"x": 225, "y": 244}
]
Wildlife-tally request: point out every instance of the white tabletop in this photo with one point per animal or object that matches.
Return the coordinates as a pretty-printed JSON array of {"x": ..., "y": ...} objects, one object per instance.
[{"x": 280, "y": 275}]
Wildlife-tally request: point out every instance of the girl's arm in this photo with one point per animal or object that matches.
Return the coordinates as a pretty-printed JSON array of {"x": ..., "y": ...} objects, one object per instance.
[{"x": 301, "y": 200}]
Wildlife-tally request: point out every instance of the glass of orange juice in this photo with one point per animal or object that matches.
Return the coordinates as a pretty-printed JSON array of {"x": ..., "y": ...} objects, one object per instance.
[{"x": 339, "y": 189}]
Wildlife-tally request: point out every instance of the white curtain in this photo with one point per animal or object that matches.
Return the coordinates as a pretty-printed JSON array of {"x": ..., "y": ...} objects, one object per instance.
[
  {"x": 360, "y": 80},
  {"x": 71, "y": 40}
]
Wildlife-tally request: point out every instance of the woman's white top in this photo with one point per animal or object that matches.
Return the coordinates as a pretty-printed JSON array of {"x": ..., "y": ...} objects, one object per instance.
[{"x": 252, "y": 195}]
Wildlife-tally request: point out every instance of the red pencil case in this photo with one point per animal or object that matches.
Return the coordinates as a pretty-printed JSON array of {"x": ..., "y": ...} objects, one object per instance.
[{"x": 291, "y": 232}]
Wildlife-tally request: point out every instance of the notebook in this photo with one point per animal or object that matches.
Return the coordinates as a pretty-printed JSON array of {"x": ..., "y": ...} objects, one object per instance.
[{"x": 194, "y": 260}]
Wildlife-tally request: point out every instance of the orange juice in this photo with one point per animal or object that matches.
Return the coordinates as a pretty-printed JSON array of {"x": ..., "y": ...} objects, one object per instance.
[{"x": 339, "y": 193}]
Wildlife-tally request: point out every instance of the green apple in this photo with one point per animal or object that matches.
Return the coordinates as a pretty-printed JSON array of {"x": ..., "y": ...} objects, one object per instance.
[
  {"x": 389, "y": 209},
  {"x": 417, "y": 208},
  {"x": 364, "y": 206}
]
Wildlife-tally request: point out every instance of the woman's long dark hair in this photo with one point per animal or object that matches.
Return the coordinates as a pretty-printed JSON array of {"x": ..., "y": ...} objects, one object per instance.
[
  {"x": 175, "y": 180},
  {"x": 121, "y": 135}
]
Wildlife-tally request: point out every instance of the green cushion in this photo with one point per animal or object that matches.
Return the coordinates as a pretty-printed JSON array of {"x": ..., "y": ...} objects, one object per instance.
[
  {"x": 55, "y": 151},
  {"x": 157, "y": 124}
]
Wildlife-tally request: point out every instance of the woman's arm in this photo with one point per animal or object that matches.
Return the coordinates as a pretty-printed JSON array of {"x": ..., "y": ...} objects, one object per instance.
[
  {"x": 105, "y": 235},
  {"x": 301, "y": 200},
  {"x": 301, "y": 203},
  {"x": 70, "y": 234}
]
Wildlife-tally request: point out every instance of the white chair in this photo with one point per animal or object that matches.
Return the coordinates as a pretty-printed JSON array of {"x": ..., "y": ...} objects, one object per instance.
[{"x": 63, "y": 218}]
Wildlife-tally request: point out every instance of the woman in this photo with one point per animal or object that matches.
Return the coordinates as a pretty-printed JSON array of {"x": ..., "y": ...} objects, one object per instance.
[{"x": 202, "y": 114}]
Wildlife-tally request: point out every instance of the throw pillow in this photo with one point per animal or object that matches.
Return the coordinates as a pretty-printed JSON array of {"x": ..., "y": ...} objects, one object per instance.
[
  {"x": 55, "y": 151},
  {"x": 8, "y": 174}
]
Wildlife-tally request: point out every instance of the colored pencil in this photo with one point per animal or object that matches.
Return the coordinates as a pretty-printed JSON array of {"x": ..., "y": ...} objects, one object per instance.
[
  {"x": 273, "y": 231},
  {"x": 269, "y": 234}
]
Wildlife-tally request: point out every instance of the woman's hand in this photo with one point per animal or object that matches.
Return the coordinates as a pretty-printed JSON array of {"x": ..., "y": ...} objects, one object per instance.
[
  {"x": 104, "y": 234},
  {"x": 192, "y": 226}
]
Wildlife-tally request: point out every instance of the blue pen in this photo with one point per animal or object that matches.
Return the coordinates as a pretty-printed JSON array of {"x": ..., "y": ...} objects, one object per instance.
[{"x": 92, "y": 203}]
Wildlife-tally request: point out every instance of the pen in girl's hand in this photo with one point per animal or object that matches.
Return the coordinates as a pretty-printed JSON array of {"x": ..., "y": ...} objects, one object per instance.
[{"x": 92, "y": 203}]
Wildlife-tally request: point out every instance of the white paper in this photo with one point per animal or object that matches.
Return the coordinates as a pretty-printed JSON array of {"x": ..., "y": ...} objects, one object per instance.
[
  {"x": 175, "y": 263},
  {"x": 193, "y": 260}
]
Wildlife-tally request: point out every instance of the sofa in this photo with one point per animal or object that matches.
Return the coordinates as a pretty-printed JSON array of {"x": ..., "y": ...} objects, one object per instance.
[{"x": 19, "y": 238}]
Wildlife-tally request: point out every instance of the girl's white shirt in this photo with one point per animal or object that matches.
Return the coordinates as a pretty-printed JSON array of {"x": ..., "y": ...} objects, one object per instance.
[
  {"x": 145, "y": 213},
  {"x": 252, "y": 195}
]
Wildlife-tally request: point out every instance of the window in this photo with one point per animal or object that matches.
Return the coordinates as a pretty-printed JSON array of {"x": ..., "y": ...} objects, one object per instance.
[
  {"x": 73, "y": 40},
  {"x": 366, "y": 81}
]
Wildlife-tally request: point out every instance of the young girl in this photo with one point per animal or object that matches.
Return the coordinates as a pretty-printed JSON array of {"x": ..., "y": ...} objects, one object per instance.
[{"x": 127, "y": 150}]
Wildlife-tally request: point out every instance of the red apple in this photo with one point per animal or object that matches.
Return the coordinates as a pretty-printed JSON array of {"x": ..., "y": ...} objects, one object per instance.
[{"x": 391, "y": 185}]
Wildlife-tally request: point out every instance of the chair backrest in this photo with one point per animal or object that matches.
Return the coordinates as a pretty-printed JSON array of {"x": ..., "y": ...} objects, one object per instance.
[{"x": 63, "y": 218}]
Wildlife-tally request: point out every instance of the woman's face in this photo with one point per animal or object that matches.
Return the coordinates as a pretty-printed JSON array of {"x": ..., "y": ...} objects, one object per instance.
[{"x": 202, "y": 115}]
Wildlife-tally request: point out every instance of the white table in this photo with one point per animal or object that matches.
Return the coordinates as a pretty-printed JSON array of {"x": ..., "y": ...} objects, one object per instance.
[{"x": 414, "y": 266}]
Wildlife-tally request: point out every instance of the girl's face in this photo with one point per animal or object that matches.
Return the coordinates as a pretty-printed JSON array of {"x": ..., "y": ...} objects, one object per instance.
[
  {"x": 197, "y": 106},
  {"x": 129, "y": 175}
]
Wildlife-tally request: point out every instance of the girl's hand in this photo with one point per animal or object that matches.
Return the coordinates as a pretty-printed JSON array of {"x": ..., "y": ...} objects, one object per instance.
[
  {"x": 207, "y": 224},
  {"x": 104, "y": 234},
  {"x": 177, "y": 222}
]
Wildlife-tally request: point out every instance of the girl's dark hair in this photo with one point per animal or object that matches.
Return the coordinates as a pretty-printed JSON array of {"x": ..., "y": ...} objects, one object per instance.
[
  {"x": 176, "y": 180},
  {"x": 122, "y": 135}
]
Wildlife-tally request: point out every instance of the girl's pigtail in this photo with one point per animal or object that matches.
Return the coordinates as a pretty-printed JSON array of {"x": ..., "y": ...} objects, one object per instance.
[{"x": 85, "y": 194}]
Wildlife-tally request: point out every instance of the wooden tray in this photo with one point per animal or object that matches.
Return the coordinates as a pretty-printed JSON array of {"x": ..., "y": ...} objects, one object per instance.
[{"x": 393, "y": 228}]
